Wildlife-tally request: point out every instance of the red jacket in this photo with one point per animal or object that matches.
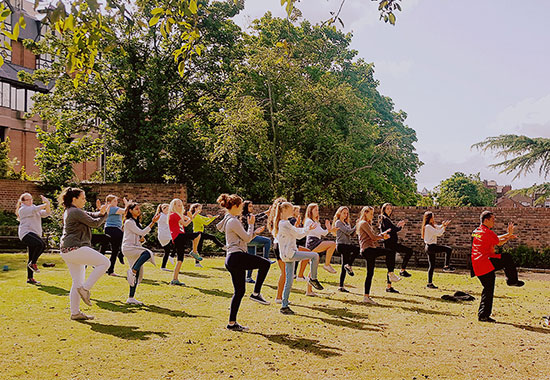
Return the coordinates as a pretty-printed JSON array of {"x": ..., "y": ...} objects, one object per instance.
[
  {"x": 175, "y": 227},
  {"x": 483, "y": 248}
]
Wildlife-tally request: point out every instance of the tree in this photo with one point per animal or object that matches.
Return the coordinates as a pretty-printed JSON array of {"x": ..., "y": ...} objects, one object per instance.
[{"x": 464, "y": 190}]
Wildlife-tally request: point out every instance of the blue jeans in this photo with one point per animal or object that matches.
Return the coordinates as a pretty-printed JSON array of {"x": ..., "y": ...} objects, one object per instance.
[
  {"x": 260, "y": 241},
  {"x": 145, "y": 256},
  {"x": 313, "y": 258}
]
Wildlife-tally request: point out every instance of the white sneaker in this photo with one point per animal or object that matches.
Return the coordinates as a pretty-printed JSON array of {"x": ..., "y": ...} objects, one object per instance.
[
  {"x": 171, "y": 259},
  {"x": 311, "y": 294},
  {"x": 279, "y": 301},
  {"x": 131, "y": 277},
  {"x": 393, "y": 277},
  {"x": 81, "y": 317},
  {"x": 300, "y": 279},
  {"x": 133, "y": 301},
  {"x": 85, "y": 295},
  {"x": 198, "y": 265},
  {"x": 369, "y": 300},
  {"x": 329, "y": 268}
]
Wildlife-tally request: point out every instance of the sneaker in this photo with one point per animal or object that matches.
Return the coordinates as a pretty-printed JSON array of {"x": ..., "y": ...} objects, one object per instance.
[
  {"x": 449, "y": 269},
  {"x": 112, "y": 274},
  {"x": 404, "y": 273},
  {"x": 85, "y": 295},
  {"x": 369, "y": 300},
  {"x": 329, "y": 268},
  {"x": 546, "y": 321},
  {"x": 133, "y": 301},
  {"x": 393, "y": 277},
  {"x": 198, "y": 265},
  {"x": 250, "y": 280},
  {"x": 315, "y": 283},
  {"x": 486, "y": 319},
  {"x": 300, "y": 279},
  {"x": 177, "y": 282},
  {"x": 33, "y": 267},
  {"x": 519, "y": 283},
  {"x": 32, "y": 281},
  {"x": 287, "y": 310},
  {"x": 131, "y": 277},
  {"x": 272, "y": 262},
  {"x": 278, "y": 300},
  {"x": 343, "y": 290},
  {"x": 311, "y": 294},
  {"x": 171, "y": 259},
  {"x": 166, "y": 269},
  {"x": 391, "y": 290},
  {"x": 81, "y": 317},
  {"x": 431, "y": 286},
  {"x": 237, "y": 327},
  {"x": 258, "y": 298},
  {"x": 196, "y": 256},
  {"x": 349, "y": 270}
]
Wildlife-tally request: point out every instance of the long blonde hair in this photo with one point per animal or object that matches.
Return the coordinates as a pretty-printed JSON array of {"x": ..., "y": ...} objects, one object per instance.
[
  {"x": 339, "y": 213},
  {"x": 271, "y": 215},
  {"x": 362, "y": 218},
  {"x": 172, "y": 207},
  {"x": 19, "y": 202},
  {"x": 309, "y": 211},
  {"x": 277, "y": 218},
  {"x": 428, "y": 216}
]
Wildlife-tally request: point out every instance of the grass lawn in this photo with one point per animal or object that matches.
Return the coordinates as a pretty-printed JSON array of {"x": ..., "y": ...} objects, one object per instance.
[{"x": 180, "y": 332}]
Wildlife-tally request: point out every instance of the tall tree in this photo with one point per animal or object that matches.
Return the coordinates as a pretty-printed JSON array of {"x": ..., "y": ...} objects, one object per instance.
[{"x": 463, "y": 190}]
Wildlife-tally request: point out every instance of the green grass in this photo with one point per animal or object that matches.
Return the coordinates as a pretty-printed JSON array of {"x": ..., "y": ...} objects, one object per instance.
[{"x": 180, "y": 333}]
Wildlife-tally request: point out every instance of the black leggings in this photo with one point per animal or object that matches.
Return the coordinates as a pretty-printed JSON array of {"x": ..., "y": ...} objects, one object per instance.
[
  {"x": 168, "y": 251},
  {"x": 370, "y": 255},
  {"x": 431, "y": 250},
  {"x": 349, "y": 253},
  {"x": 181, "y": 241},
  {"x": 36, "y": 247},
  {"x": 116, "y": 235},
  {"x": 145, "y": 255},
  {"x": 237, "y": 263},
  {"x": 212, "y": 238},
  {"x": 400, "y": 248}
]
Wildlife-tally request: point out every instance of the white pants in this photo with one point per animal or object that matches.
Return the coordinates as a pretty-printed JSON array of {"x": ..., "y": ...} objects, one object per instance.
[{"x": 76, "y": 262}]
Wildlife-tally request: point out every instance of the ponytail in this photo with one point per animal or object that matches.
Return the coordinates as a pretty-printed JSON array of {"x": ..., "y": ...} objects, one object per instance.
[
  {"x": 271, "y": 215},
  {"x": 428, "y": 215},
  {"x": 277, "y": 218},
  {"x": 229, "y": 201},
  {"x": 67, "y": 195}
]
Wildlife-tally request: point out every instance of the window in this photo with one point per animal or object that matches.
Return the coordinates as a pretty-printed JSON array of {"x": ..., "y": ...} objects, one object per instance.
[
  {"x": 3, "y": 132},
  {"x": 30, "y": 101},
  {"x": 5, "y": 40},
  {"x": 5, "y": 89}
]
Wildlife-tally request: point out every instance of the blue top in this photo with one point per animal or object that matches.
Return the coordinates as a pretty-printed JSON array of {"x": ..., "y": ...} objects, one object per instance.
[{"x": 114, "y": 219}]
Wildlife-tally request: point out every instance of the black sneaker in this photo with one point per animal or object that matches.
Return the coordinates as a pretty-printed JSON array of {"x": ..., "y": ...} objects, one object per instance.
[
  {"x": 391, "y": 290},
  {"x": 486, "y": 319},
  {"x": 258, "y": 298},
  {"x": 250, "y": 280},
  {"x": 237, "y": 327},
  {"x": 431, "y": 286},
  {"x": 287, "y": 310},
  {"x": 348, "y": 269},
  {"x": 343, "y": 290},
  {"x": 404, "y": 273},
  {"x": 518, "y": 283},
  {"x": 449, "y": 269},
  {"x": 315, "y": 283}
]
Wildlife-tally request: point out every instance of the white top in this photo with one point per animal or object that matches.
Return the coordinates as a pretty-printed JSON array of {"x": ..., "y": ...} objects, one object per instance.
[
  {"x": 30, "y": 220},
  {"x": 287, "y": 236},
  {"x": 431, "y": 233},
  {"x": 317, "y": 232},
  {"x": 131, "y": 244},
  {"x": 163, "y": 232}
]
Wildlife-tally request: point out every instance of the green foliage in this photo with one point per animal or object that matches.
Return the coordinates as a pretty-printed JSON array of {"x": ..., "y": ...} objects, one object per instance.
[
  {"x": 7, "y": 165},
  {"x": 8, "y": 218},
  {"x": 528, "y": 257},
  {"x": 463, "y": 190},
  {"x": 426, "y": 201}
]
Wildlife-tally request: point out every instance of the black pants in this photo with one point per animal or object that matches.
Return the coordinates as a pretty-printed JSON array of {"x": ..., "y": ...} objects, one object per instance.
[
  {"x": 237, "y": 263},
  {"x": 431, "y": 250},
  {"x": 488, "y": 281},
  {"x": 400, "y": 248},
  {"x": 212, "y": 238},
  {"x": 182, "y": 240},
  {"x": 116, "y": 235},
  {"x": 36, "y": 247},
  {"x": 370, "y": 255},
  {"x": 349, "y": 253},
  {"x": 168, "y": 251}
]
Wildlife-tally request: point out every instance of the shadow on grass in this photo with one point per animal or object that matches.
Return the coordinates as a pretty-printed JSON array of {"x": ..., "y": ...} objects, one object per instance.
[
  {"x": 154, "y": 282},
  {"x": 403, "y": 299},
  {"x": 540, "y": 330},
  {"x": 344, "y": 322},
  {"x": 407, "y": 308},
  {"x": 213, "y": 292},
  {"x": 195, "y": 274},
  {"x": 120, "y": 307},
  {"x": 292, "y": 290},
  {"x": 123, "y": 332},
  {"x": 221, "y": 269},
  {"x": 311, "y": 346},
  {"x": 53, "y": 290},
  {"x": 342, "y": 312}
]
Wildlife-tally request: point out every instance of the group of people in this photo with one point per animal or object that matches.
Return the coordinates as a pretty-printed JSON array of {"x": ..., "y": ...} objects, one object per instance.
[{"x": 294, "y": 242}]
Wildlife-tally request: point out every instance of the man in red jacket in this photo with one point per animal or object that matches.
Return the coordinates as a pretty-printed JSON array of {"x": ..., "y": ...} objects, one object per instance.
[{"x": 485, "y": 262}]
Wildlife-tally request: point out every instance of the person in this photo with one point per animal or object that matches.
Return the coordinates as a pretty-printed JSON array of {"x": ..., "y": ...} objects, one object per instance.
[
  {"x": 430, "y": 232},
  {"x": 177, "y": 221},
  {"x": 132, "y": 248},
  {"x": 393, "y": 242},
  {"x": 113, "y": 228},
  {"x": 485, "y": 262},
  {"x": 30, "y": 230},
  {"x": 76, "y": 248},
  {"x": 164, "y": 237},
  {"x": 199, "y": 222},
  {"x": 237, "y": 260},
  {"x": 367, "y": 243},
  {"x": 258, "y": 241},
  {"x": 286, "y": 235},
  {"x": 344, "y": 244}
]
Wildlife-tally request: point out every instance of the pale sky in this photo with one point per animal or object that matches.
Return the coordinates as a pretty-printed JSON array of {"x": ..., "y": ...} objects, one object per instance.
[{"x": 462, "y": 70}]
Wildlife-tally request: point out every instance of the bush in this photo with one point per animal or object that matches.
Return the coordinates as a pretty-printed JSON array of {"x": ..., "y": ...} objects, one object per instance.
[
  {"x": 529, "y": 257},
  {"x": 8, "y": 219}
]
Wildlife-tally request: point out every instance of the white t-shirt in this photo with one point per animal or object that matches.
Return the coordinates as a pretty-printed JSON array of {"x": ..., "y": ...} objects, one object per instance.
[
  {"x": 431, "y": 233},
  {"x": 286, "y": 237},
  {"x": 30, "y": 220},
  {"x": 317, "y": 232},
  {"x": 163, "y": 232}
]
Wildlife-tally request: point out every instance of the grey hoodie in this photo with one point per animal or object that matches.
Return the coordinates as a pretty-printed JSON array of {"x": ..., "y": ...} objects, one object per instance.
[{"x": 236, "y": 238}]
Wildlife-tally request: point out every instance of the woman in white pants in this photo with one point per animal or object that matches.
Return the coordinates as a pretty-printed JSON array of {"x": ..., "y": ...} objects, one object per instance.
[{"x": 76, "y": 248}]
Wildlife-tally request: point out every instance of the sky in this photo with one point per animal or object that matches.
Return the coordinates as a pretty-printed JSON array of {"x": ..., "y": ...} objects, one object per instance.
[{"x": 462, "y": 71}]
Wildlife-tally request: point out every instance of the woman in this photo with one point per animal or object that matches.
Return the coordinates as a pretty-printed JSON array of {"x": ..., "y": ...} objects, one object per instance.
[
  {"x": 282, "y": 275},
  {"x": 199, "y": 222},
  {"x": 164, "y": 237},
  {"x": 430, "y": 232},
  {"x": 238, "y": 261},
  {"x": 367, "y": 243},
  {"x": 314, "y": 242},
  {"x": 76, "y": 248},
  {"x": 133, "y": 250},
  {"x": 113, "y": 228},
  {"x": 392, "y": 243},
  {"x": 177, "y": 222},
  {"x": 30, "y": 230},
  {"x": 258, "y": 241},
  {"x": 344, "y": 244}
]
